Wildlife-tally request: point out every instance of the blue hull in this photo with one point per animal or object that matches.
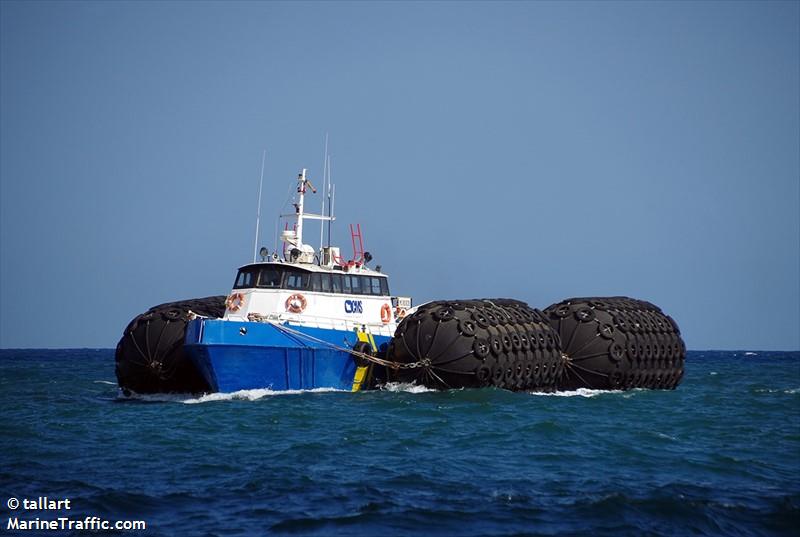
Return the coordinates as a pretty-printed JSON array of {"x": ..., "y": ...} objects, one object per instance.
[{"x": 235, "y": 356}]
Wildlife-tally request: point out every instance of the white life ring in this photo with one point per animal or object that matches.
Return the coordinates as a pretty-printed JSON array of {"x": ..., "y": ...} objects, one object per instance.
[
  {"x": 235, "y": 302},
  {"x": 296, "y": 303}
]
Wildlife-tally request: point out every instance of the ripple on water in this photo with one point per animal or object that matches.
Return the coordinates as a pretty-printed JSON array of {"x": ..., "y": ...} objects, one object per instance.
[{"x": 717, "y": 456}]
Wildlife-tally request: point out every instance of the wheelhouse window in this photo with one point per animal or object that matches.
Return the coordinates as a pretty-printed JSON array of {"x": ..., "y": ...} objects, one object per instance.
[
  {"x": 355, "y": 285},
  {"x": 296, "y": 280},
  {"x": 336, "y": 280},
  {"x": 375, "y": 287},
  {"x": 283, "y": 277},
  {"x": 326, "y": 282},
  {"x": 316, "y": 282},
  {"x": 270, "y": 277},
  {"x": 361, "y": 285},
  {"x": 245, "y": 279}
]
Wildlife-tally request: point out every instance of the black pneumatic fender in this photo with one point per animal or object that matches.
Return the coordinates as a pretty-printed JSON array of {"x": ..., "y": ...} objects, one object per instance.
[
  {"x": 502, "y": 343},
  {"x": 617, "y": 343},
  {"x": 149, "y": 356}
]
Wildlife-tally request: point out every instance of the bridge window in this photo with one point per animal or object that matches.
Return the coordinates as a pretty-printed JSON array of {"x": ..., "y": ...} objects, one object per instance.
[
  {"x": 269, "y": 277},
  {"x": 330, "y": 283},
  {"x": 296, "y": 280},
  {"x": 278, "y": 277},
  {"x": 355, "y": 283},
  {"x": 375, "y": 287},
  {"x": 326, "y": 282},
  {"x": 274, "y": 277},
  {"x": 336, "y": 280},
  {"x": 245, "y": 279}
]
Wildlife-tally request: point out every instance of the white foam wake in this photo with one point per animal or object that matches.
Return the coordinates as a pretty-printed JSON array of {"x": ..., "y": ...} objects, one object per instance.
[
  {"x": 789, "y": 391},
  {"x": 407, "y": 387},
  {"x": 241, "y": 395},
  {"x": 253, "y": 395},
  {"x": 580, "y": 392}
]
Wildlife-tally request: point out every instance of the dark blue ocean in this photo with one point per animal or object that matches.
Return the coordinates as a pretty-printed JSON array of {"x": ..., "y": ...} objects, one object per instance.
[{"x": 718, "y": 456}]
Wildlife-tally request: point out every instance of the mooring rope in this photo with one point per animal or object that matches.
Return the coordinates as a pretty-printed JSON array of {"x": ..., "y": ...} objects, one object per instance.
[{"x": 365, "y": 356}]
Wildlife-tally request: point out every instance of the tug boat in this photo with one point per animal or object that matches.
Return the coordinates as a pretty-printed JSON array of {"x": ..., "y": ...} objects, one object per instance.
[
  {"x": 307, "y": 319},
  {"x": 300, "y": 320}
]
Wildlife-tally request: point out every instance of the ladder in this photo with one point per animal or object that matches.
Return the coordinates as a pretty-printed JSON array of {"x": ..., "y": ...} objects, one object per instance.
[{"x": 358, "y": 249}]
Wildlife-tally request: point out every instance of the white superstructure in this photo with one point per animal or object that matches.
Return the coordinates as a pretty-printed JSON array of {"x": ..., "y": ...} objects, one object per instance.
[{"x": 315, "y": 289}]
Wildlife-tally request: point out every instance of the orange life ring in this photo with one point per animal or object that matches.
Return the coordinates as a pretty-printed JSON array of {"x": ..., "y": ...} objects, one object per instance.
[
  {"x": 235, "y": 302},
  {"x": 386, "y": 313},
  {"x": 296, "y": 303}
]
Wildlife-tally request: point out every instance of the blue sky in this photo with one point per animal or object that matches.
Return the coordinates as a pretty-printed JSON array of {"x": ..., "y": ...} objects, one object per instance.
[{"x": 529, "y": 150}]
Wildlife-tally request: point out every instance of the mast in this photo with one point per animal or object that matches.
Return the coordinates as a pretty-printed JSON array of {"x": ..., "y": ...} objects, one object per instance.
[
  {"x": 301, "y": 189},
  {"x": 294, "y": 236}
]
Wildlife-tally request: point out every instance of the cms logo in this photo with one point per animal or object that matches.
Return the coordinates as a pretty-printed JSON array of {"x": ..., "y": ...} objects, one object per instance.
[{"x": 353, "y": 306}]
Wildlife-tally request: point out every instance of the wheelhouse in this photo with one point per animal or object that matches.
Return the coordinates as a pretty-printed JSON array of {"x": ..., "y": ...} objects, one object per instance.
[{"x": 280, "y": 276}]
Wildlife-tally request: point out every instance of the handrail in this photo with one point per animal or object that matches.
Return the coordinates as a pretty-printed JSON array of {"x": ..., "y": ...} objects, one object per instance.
[{"x": 316, "y": 320}]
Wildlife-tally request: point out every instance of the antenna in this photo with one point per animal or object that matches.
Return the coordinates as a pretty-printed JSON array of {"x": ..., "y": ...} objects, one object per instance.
[
  {"x": 277, "y": 225},
  {"x": 330, "y": 207},
  {"x": 324, "y": 185},
  {"x": 331, "y": 200},
  {"x": 258, "y": 211}
]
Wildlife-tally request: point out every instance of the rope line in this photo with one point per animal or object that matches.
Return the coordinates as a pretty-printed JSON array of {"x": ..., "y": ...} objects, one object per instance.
[{"x": 365, "y": 356}]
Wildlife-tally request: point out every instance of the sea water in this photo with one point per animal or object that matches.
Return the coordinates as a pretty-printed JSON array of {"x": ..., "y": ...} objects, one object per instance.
[{"x": 718, "y": 456}]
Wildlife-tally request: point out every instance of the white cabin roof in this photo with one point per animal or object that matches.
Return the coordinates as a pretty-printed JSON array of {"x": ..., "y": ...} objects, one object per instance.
[{"x": 313, "y": 267}]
